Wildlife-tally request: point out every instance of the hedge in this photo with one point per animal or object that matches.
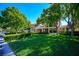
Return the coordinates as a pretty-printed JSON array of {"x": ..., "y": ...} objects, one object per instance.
[{"x": 10, "y": 37}]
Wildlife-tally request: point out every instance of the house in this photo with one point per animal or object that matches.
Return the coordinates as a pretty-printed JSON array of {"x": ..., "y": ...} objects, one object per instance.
[{"x": 43, "y": 28}]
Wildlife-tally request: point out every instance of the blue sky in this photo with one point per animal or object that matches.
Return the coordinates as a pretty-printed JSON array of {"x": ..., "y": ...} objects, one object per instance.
[{"x": 31, "y": 10}]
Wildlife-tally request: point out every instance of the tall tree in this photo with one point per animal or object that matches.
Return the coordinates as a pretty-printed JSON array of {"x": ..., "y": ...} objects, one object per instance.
[
  {"x": 71, "y": 12},
  {"x": 52, "y": 15},
  {"x": 13, "y": 18}
]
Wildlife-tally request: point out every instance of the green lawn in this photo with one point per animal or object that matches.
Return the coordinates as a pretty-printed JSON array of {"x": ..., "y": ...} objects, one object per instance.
[{"x": 45, "y": 45}]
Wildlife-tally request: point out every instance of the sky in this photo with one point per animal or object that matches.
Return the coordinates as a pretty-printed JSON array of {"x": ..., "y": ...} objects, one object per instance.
[{"x": 31, "y": 10}]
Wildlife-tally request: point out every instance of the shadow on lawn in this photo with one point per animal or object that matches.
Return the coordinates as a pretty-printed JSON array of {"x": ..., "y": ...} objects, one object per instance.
[{"x": 44, "y": 45}]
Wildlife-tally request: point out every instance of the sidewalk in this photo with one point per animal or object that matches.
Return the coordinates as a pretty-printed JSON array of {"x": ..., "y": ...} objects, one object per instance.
[{"x": 5, "y": 50}]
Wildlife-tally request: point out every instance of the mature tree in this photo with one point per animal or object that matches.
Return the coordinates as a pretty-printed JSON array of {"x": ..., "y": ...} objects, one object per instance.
[
  {"x": 56, "y": 12},
  {"x": 71, "y": 15},
  {"x": 51, "y": 15},
  {"x": 55, "y": 15},
  {"x": 13, "y": 18}
]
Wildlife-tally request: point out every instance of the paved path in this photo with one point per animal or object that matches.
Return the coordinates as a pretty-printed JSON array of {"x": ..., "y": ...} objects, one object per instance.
[{"x": 5, "y": 50}]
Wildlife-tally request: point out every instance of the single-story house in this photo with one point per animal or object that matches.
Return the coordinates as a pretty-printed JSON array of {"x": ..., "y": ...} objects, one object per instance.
[{"x": 43, "y": 28}]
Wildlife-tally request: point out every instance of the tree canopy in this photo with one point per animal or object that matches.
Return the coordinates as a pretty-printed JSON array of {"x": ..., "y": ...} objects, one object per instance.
[
  {"x": 56, "y": 12},
  {"x": 50, "y": 15},
  {"x": 11, "y": 17}
]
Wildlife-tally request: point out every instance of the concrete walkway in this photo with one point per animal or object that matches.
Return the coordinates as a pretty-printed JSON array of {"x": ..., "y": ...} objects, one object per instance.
[{"x": 5, "y": 50}]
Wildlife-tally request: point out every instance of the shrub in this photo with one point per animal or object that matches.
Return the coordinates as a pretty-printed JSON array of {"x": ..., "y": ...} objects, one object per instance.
[
  {"x": 10, "y": 37},
  {"x": 40, "y": 33}
]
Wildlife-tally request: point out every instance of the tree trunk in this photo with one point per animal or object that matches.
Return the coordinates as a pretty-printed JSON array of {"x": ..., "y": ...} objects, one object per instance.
[
  {"x": 57, "y": 26},
  {"x": 72, "y": 30},
  {"x": 71, "y": 26}
]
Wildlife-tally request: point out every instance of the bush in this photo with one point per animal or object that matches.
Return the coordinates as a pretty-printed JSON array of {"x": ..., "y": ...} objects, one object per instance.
[
  {"x": 10, "y": 37},
  {"x": 12, "y": 33},
  {"x": 76, "y": 33},
  {"x": 41, "y": 33}
]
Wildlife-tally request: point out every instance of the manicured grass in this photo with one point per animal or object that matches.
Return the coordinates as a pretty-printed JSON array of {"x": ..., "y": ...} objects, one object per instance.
[{"x": 46, "y": 45}]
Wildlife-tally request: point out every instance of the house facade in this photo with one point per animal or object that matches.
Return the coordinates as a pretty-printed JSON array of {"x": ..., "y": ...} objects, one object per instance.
[{"x": 43, "y": 28}]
